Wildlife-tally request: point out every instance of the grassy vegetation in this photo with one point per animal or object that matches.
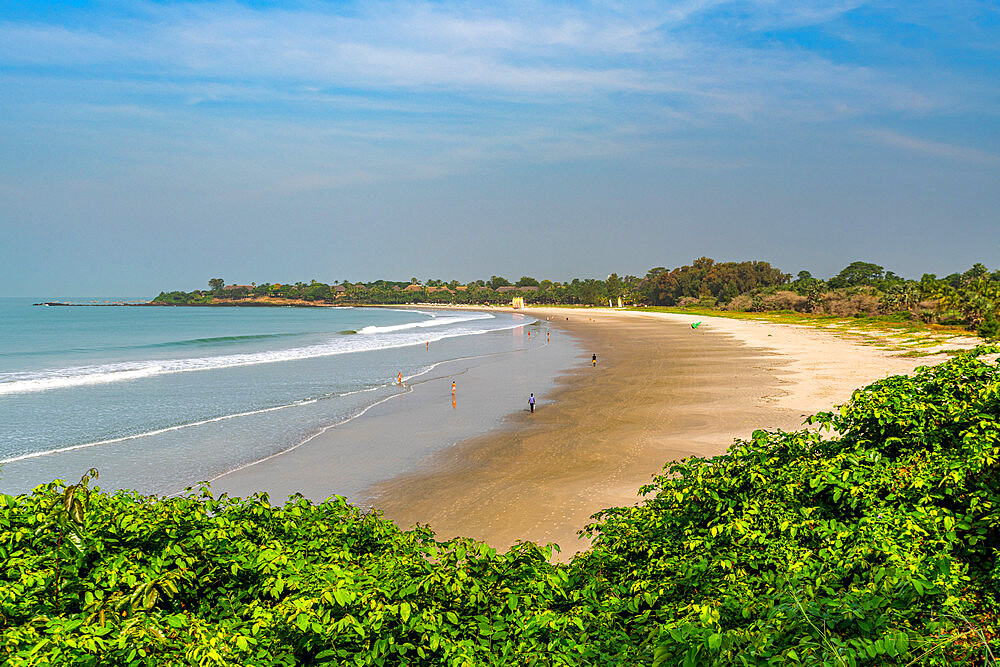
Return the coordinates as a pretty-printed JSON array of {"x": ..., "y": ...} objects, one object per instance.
[
  {"x": 883, "y": 331},
  {"x": 872, "y": 542}
]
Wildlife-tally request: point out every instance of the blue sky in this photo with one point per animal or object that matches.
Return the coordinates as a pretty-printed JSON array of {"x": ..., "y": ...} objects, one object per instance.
[{"x": 153, "y": 145}]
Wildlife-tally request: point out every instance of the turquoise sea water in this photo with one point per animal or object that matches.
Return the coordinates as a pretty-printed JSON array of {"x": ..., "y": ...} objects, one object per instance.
[{"x": 160, "y": 398}]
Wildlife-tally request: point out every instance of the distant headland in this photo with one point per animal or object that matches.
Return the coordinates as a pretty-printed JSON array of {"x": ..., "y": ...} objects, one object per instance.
[{"x": 969, "y": 300}]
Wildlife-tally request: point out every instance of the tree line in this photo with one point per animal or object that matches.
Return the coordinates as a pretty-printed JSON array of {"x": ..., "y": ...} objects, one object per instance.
[{"x": 862, "y": 289}]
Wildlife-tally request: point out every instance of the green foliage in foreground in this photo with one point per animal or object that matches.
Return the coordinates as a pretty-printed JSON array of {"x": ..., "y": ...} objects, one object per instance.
[{"x": 874, "y": 544}]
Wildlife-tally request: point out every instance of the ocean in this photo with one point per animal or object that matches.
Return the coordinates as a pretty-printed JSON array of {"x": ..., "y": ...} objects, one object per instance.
[{"x": 161, "y": 398}]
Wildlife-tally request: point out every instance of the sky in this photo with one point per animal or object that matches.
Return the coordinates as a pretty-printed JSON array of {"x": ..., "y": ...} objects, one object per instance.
[{"x": 148, "y": 146}]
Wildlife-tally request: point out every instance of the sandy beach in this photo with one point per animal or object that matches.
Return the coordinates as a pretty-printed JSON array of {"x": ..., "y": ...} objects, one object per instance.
[
  {"x": 661, "y": 390},
  {"x": 493, "y": 374},
  {"x": 484, "y": 467}
]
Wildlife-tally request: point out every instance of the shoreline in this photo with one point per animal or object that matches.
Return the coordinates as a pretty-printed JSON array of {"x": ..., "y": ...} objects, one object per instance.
[
  {"x": 393, "y": 437},
  {"x": 189, "y": 427},
  {"x": 661, "y": 391}
]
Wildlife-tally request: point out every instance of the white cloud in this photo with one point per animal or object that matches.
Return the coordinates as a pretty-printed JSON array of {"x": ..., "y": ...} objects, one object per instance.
[
  {"x": 777, "y": 14},
  {"x": 524, "y": 49},
  {"x": 393, "y": 86},
  {"x": 932, "y": 148}
]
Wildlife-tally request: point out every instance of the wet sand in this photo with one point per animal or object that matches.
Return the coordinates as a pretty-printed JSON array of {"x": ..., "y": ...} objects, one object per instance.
[
  {"x": 397, "y": 434},
  {"x": 661, "y": 391}
]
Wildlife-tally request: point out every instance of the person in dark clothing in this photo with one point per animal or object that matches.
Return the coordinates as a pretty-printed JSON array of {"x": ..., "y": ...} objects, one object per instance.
[
  {"x": 531, "y": 402},
  {"x": 594, "y": 359}
]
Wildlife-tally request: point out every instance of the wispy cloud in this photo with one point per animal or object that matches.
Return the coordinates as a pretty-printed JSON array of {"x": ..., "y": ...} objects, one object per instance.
[
  {"x": 528, "y": 79},
  {"x": 524, "y": 49},
  {"x": 932, "y": 148},
  {"x": 395, "y": 44}
]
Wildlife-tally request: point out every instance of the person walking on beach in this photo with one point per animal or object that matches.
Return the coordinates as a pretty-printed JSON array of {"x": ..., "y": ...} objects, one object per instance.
[
  {"x": 594, "y": 359},
  {"x": 531, "y": 402}
]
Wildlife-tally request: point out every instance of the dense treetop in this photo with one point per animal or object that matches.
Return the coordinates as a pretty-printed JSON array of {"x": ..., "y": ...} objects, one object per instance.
[{"x": 971, "y": 298}]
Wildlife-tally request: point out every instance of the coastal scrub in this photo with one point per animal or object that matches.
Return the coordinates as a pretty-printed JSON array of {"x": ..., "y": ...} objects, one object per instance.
[{"x": 873, "y": 541}]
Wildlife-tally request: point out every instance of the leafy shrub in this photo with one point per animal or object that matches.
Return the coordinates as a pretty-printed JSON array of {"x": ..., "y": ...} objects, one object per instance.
[
  {"x": 898, "y": 316},
  {"x": 951, "y": 318},
  {"x": 876, "y": 546},
  {"x": 197, "y": 580},
  {"x": 989, "y": 328},
  {"x": 172, "y": 298},
  {"x": 873, "y": 544},
  {"x": 785, "y": 300},
  {"x": 743, "y": 302},
  {"x": 848, "y": 305}
]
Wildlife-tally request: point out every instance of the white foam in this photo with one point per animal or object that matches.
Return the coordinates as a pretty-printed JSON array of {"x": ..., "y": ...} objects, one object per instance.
[
  {"x": 58, "y": 381},
  {"x": 436, "y": 322},
  {"x": 147, "y": 434},
  {"x": 377, "y": 338},
  {"x": 178, "y": 427},
  {"x": 413, "y": 339}
]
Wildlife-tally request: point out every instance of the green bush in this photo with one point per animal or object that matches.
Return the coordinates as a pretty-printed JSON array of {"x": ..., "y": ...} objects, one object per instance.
[
  {"x": 951, "y": 318},
  {"x": 873, "y": 541},
  {"x": 989, "y": 328},
  {"x": 876, "y": 546}
]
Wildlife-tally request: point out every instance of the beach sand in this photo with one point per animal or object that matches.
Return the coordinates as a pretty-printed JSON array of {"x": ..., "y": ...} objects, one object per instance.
[
  {"x": 398, "y": 433},
  {"x": 661, "y": 390}
]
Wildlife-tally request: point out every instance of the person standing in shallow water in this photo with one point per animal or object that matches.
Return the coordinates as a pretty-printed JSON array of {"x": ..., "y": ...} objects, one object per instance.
[
  {"x": 594, "y": 359},
  {"x": 531, "y": 403}
]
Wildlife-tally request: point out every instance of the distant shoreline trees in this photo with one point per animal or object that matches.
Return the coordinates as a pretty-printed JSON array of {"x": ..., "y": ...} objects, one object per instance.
[{"x": 862, "y": 288}]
